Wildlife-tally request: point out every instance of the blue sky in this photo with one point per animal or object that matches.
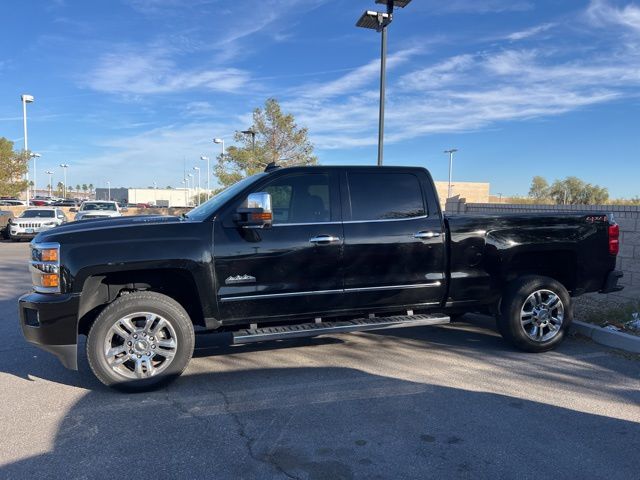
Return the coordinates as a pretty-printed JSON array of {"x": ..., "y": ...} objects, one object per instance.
[{"x": 127, "y": 89}]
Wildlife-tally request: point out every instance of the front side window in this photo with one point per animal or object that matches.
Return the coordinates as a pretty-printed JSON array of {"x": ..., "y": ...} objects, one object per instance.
[
  {"x": 301, "y": 198},
  {"x": 385, "y": 196}
]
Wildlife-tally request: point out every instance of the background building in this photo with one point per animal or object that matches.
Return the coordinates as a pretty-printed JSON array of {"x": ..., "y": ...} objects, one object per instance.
[
  {"x": 161, "y": 197},
  {"x": 474, "y": 192}
]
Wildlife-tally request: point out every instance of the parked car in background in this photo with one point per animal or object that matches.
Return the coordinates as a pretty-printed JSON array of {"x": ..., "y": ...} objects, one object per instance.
[
  {"x": 5, "y": 218},
  {"x": 98, "y": 209},
  {"x": 12, "y": 202},
  {"x": 66, "y": 203},
  {"x": 35, "y": 220}
]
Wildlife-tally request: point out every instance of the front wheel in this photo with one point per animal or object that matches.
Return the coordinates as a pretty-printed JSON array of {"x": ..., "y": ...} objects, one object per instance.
[
  {"x": 535, "y": 313},
  {"x": 140, "y": 341}
]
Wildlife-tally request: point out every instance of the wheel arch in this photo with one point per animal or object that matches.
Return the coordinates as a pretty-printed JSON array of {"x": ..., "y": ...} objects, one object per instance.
[{"x": 100, "y": 289}]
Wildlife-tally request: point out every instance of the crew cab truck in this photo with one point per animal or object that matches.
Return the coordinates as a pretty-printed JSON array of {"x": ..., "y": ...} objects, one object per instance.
[{"x": 304, "y": 251}]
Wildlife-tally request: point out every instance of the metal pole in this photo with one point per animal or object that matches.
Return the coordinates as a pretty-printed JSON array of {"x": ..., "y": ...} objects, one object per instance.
[
  {"x": 208, "y": 178},
  {"x": 35, "y": 176},
  {"x": 199, "y": 190},
  {"x": 109, "y": 191},
  {"x": 383, "y": 81},
  {"x": 450, "y": 173},
  {"x": 64, "y": 190},
  {"x": 26, "y": 142}
]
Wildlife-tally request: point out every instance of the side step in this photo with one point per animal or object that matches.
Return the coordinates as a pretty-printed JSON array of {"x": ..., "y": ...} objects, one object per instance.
[{"x": 322, "y": 328}]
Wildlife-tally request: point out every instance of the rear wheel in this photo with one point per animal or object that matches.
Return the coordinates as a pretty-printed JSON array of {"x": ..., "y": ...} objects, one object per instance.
[
  {"x": 140, "y": 341},
  {"x": 535, "y": 313}
]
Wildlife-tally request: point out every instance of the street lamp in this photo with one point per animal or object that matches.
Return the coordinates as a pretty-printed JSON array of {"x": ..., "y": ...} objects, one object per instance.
[
  {"x": 208, "y": 175},
  {"x": 197, "y": 169},
  {"x": 251, "y": 132},
  {"x": 50, "y": 173},
  {"x": 26, "y": 99},
  {"x": 450, "y": 152},
  {"x": 379, "y": 21},
  {"x": 35, "y": 173},
  {"x": 64, "y": 185},
  {"x": 192, "y": 184}
]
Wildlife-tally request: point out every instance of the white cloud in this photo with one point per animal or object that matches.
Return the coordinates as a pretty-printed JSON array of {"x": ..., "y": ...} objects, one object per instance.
[
  {"x": 530, "y": 32},
  {"x": 602, "y": 13},
  {"x": 153, "y": 72}
]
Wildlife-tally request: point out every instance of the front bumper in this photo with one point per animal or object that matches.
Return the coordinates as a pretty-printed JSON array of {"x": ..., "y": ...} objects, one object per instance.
[
  {"x": 50, "y": 321},
  {"x": 611, "y": 283}
]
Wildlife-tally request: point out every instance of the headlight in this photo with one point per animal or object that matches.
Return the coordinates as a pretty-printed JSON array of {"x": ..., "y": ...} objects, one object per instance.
[{"x": 45, "y": 267}]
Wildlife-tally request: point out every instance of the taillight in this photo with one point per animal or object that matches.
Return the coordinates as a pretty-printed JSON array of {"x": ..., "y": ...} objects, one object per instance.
[{"x": 614, "y": 239}]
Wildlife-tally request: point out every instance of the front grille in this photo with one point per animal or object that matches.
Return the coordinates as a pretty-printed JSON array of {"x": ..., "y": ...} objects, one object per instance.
[{"x": 29, "y": 225}]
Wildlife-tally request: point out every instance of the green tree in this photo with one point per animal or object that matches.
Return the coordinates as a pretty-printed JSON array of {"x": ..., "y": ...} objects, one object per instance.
[
  {"x": 574, "y": 191},
  {"x": 77, "y": 188},
  {"x": 85, "y": 187},
  {"x": 278, "y": 139},
  {"x": 539, "y": 189},
  {"x": 13, "y": 167},
  {"x": 91, "y": 188},
  {"x": 59, "y": 189}
]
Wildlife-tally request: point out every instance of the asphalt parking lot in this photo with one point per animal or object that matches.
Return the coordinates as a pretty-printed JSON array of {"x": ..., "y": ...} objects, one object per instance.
[{"x": 440, "y": 402}]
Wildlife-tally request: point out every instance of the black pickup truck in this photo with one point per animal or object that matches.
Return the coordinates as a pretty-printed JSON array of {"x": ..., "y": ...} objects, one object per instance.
[{"x": 304, "y": 251}]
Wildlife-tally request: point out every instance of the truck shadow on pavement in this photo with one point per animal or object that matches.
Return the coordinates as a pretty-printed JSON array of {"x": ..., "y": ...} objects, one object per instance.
[{"x": 327, "y": 423}]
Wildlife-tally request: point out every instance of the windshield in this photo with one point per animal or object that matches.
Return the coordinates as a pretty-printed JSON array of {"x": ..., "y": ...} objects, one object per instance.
[
  {"x": 99, "y": 206},
  {"x": 38, "y": 214},
  {"x": 206, "y": 209}
]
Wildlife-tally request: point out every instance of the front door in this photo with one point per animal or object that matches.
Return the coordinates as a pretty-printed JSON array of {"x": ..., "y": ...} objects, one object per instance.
[
  {"x": 292, "y": 268},
  {"x": 394, "y": 247}
]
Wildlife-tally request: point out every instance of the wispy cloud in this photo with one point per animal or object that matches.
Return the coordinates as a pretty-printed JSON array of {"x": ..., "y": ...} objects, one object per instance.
[
  {"x": 475, "y": 6},
  {"x": 153, "y": 72},
  {"x": 603, "y": 13},
  {"x": 530, "y": 32}
]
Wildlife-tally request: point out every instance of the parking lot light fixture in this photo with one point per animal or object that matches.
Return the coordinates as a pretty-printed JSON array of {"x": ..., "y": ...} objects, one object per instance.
[
  {"x": 450, "y": 153},
  {"x": 251, "y": 132},
  {"x": 35, "y": 156},
  {"x": 50, "y": 173},
  {"x": 197, "y": 169},
  {"x": 64, "y": 167},
  {"x": 379, "y": 21},
  {"x": 208, "y": 175},
  {"x": 24, "y": 98}
]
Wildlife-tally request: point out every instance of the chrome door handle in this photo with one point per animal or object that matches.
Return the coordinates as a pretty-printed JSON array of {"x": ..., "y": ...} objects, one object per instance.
[
  {"x": 425, "y": 235},
  {"x": 324, "y": 239}
]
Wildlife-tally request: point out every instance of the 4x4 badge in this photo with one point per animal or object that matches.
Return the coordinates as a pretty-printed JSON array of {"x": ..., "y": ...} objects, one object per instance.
[{"x": 240, "y": 279}]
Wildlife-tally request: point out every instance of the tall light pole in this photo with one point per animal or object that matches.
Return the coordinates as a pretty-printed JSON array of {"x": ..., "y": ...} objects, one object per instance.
[
  {"x": 450, "y": 152},
  {"x": 186, "y": 200},
  {"x": 379, "y": 21},
  {"x": 64, "y": 185},
  {"x": 155, "y": 194},
  {"x": 35, "y": 156},
  {"x": 109, "y": 190},
  {"x": 197, "y": 169},
  {"x": 208, "y": 176},
  {"x": 192, "y": 184},
  {"x": 26, "y": 99},
  {"x": 251, "y": 132},
  {"x": 50, "y": 173}
]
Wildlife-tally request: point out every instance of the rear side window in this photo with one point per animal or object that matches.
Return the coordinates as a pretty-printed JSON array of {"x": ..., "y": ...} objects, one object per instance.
[{"x": 385, "y": 196}]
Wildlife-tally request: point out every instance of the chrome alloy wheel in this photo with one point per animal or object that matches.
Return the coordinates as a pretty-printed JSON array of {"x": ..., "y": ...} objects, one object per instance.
[
  {"x": 542, "y": 315},
  {"x": 140, "y": 345}
]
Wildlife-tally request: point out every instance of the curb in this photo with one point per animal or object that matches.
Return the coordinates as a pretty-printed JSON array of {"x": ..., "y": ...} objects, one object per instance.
[{"x": 609, "y": 338}]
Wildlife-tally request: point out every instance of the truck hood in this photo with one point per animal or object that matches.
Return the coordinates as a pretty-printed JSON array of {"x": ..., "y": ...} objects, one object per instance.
[
  {"x": 38, "y": 220},
  {"x": 106, "y": 223}
]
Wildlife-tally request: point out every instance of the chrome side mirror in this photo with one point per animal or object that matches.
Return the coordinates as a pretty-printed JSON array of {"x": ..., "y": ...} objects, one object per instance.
[{"x": 255, "y": 211}]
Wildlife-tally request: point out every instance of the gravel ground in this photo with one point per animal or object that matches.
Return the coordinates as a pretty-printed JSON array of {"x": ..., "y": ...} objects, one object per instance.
[{"x": 441, "y": 402}]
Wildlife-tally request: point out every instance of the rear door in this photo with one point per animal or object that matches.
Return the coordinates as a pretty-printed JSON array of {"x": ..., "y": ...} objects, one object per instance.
[
  {"x": 394, "y": 251},
  {"x": 292, "y": 268}
]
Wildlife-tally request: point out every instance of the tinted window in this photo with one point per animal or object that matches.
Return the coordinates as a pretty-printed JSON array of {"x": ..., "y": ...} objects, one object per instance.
[
  {"x": 385, "y": 196},
  {"x": 300, "y": 199},
  {"x": 38, "y": 214}
]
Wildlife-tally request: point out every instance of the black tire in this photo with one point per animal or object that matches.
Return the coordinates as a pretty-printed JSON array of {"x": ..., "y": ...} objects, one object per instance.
[
  {"x": 514, "y": 300},
  {"x": 129, "y": 304}
]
